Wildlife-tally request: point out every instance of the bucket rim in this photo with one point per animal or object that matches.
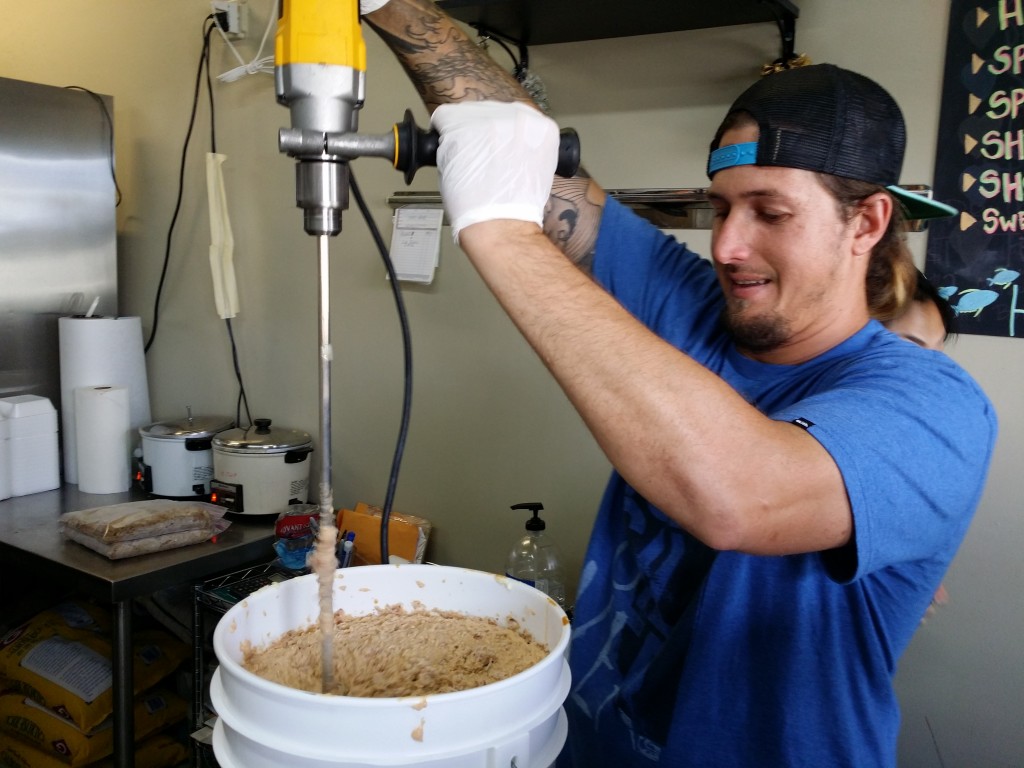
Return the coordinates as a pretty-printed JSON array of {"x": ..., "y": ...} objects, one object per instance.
[{"x": 242, "y": 675}]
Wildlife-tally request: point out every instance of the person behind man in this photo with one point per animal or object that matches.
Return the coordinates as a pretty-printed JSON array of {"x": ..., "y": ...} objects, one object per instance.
[
  {"x": 928, "y": 320},
  {"x": 782, "y": 508}
]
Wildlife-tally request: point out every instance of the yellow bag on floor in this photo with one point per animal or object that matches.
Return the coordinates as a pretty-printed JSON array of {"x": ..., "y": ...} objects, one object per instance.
[
  {"x": 160, "y": 751},
  {"x": 25, "y": 720},
  {"x": 61, "y": 658}
]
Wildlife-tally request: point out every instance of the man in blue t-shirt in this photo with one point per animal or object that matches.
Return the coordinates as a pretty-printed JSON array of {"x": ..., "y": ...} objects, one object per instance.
[{"x": 791, "y": 479}]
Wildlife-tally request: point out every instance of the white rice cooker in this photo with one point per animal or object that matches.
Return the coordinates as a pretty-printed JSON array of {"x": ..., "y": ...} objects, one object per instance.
[
  {"x": 177, "y": 456},
  {"x": 260, "y": 470}
]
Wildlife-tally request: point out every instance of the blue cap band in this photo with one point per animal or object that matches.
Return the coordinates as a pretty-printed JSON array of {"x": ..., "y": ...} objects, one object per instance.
[{"x": 733, "y": 154}]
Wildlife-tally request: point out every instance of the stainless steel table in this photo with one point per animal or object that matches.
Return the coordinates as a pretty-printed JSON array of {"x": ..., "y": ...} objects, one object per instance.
[{"x": 30, "y": 538}]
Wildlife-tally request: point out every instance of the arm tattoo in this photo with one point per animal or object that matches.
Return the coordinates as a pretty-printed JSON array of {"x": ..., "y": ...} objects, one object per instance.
[
  {"x": 442, "y": 62},
  {"x": 572, "y": 217}
]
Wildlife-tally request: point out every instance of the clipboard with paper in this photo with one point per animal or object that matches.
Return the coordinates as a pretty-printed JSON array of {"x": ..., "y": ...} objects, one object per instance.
[{"x": 416, "y": 243}]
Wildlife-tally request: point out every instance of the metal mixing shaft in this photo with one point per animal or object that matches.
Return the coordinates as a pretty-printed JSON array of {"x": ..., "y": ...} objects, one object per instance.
[
  {"x": 328, "y": 529},
  {"x": 320, "y": 74}
]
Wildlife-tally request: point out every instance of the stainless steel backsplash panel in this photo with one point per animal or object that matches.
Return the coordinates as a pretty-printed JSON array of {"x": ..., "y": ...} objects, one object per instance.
[{"x": 58, "y": 249}]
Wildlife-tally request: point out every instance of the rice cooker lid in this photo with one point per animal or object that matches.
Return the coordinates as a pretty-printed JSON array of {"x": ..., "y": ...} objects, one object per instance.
[
  {"x": 188, "y": 427},
  {"x": 260, "y": 438}
]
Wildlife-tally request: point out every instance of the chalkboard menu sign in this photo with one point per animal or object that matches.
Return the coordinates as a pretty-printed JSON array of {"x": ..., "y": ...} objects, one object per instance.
[{"x": 977, "y": 258}]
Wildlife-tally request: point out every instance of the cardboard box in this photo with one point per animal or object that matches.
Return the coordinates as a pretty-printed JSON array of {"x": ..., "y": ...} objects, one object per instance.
[{"x": 407, "y": 534}]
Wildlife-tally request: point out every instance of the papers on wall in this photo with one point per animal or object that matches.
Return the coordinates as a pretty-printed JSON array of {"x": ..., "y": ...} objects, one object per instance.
[{"x": 416, "y": 243}]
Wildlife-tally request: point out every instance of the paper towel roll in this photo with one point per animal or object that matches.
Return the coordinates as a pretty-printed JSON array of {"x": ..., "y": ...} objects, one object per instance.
[
  {"x": 102, "y": 428},
  {"x": 100, "y": 351}
]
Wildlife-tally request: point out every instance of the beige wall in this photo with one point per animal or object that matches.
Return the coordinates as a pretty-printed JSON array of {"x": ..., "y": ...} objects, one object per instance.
[{"x": 489, "y": 428}]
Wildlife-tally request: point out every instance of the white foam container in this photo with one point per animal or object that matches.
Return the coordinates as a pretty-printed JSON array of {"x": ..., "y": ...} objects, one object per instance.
[
  {"x": 517, "y": 721},
  {"x": 32, "y": 448},
  {"x": 5, "y": 458}
]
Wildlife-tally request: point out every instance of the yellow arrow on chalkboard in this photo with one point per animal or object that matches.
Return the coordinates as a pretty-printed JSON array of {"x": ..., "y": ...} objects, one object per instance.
[
  {"x": 976, "y": 63},
  {"x": 966, "y": 220},
  {"x": 967, "y": 182},
  {"x": 982, "y": 16},
  {"x": 973, "y": 102},
  {"x": 969, "y": 143}
]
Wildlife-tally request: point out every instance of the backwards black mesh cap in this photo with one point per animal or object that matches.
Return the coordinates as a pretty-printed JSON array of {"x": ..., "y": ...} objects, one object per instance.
[{"x": 827, "y": 119}]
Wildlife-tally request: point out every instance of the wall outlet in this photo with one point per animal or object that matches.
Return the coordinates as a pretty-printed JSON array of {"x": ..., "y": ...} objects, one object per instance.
[{"x": 237, "y": 17}]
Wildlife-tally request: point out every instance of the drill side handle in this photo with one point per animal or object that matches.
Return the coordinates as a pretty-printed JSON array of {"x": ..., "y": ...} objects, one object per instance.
[{"x": 416, "y": 147}]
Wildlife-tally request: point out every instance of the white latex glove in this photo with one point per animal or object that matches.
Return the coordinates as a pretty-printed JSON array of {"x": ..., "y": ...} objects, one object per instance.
[
  {"x": 496, "y": 160},
  {"x": 369, "y": 6}
]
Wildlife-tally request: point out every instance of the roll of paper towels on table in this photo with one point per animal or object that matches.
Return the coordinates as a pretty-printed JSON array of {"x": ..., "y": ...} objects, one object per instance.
[
  {"x": 102, "y": 429},
  {"x": 100, "y": 351}
]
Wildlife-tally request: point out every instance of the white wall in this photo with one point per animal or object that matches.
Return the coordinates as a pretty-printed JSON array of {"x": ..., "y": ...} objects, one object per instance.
[{"x": 489, "y": 428}]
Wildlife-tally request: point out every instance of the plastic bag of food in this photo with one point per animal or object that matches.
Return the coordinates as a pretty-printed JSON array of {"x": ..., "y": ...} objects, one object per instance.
[
  {"x": 140, "y": 527},
  {"x": 295, "y": 536}
]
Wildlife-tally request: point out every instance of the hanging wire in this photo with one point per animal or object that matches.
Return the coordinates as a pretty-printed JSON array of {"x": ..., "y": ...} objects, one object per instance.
[
  {"x": 209, "y": 92},
  {"x": 110, "y": 136},
  {"x": 259, "y": 63},
  {"x": 210, "y": 23},
  {"x": 209, "y": 26},
  {"x": 403, "y": 320},
  {"x": 242, "y": 400}
]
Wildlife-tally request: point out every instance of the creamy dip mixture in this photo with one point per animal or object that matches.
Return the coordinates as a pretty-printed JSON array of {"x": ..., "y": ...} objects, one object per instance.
[{"x": 398, "y": 652}]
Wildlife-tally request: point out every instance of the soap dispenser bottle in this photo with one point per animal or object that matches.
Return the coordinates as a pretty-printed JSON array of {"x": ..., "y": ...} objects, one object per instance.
[{"x": 535, "y": 559}]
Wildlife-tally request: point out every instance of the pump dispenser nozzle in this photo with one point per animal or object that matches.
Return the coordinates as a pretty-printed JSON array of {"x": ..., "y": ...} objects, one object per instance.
[{"x": 534, "y": 523}]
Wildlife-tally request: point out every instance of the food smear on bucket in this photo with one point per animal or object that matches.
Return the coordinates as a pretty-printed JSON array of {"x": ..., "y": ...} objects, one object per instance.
[{"x": 395, "y": 652}]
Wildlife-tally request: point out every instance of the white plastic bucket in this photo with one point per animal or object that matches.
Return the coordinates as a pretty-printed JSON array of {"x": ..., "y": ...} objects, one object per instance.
[{"x": 514, "y": 722}]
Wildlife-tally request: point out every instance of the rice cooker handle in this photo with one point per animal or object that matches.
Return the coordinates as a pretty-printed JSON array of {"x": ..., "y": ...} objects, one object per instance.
[
  {"x": 297, "y": 456},
  {"x": 198, "y": 443}
]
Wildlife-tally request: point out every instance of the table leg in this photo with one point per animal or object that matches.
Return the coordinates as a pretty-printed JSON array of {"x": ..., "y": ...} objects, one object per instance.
[
  {"x": 197, "y": 676},
  {"x": 124, "y": 720}
]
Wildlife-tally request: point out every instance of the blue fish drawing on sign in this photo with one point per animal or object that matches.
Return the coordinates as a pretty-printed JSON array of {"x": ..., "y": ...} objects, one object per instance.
[
  {"x": 973, "y": 300},
  {"x": 1003, "y": 277},
  {"x": 947, "y": 290}
]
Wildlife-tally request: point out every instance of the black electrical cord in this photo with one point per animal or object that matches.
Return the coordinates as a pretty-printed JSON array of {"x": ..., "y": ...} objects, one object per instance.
[
  {"x": 110, "y": 136},
  {"x": 242, "y": 399},
  {"x": 210, "y": 26},
  {"x": 403, "y": 320},
  {"x": 209, "y": 90}
]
